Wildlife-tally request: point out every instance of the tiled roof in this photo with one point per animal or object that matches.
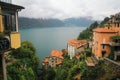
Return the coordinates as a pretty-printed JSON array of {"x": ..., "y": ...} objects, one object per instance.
[
  {"x": 77, "y": 43},
  {"x": 56, "y": 53},
  {"x": 104, "y": 30},
  {"x": 78, "y": 57},
  {"x": 59, "y": 62},
  {"x": 46, "y": 59}
]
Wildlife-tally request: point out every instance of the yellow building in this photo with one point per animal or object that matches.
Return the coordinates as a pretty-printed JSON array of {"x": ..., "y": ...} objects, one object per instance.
[
  {"x": 9, "y": 25},
  {"x": 9, "y": 35}
]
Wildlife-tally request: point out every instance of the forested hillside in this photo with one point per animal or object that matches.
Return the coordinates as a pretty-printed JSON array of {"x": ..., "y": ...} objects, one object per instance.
[
  {"x": 32, "y": 22},
  {"x": 87, "y": 33}
]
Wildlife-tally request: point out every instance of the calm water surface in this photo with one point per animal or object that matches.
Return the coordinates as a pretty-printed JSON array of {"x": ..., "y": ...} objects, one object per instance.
[{"x": 47, "y": 39}]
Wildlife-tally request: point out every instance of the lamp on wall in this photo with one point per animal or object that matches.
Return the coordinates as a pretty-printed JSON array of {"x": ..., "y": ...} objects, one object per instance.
[{"x": 4, "y": 43}]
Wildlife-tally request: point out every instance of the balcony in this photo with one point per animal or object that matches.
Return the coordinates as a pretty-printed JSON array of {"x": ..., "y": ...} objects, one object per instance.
[
  {"x": 8, "y": 41},
  {"x": 116, "y": 53},
  {"x": 15, "y": 40},
  {"x": 115, "y": 43},
  {"x": 115, "y": 40},
  {"x": 103, "y": 50}
]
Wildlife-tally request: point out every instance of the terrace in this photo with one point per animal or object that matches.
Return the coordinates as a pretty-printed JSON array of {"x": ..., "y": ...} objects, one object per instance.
[{"x": 115, "y": 41}]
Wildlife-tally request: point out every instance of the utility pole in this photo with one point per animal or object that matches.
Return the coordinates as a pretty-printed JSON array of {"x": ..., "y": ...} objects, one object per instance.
[
  {"x": 4, "y": 67},
  {"x": 4, "y": 47},
  {"x": 3, "y": 72}
]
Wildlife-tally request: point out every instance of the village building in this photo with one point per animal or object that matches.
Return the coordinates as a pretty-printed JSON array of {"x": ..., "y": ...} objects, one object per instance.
[
  {"x": 102, "y": 42},
  {"x": 55, "y": 59},
  {"x": 9, "y": 23},
  {"x": 9, "y": 34},
  {"x": 45, "y": 63},
  {"x": 75, "y": 47}
]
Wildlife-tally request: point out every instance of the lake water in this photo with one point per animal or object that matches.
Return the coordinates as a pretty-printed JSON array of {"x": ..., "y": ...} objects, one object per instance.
[{"x": 47, "y": 39}]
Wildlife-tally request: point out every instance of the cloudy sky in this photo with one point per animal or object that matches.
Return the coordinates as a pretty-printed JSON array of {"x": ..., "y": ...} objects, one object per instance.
[{"x": 62, "y": 9}]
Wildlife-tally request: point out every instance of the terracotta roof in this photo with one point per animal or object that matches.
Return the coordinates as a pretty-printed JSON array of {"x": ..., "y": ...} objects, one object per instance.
[
  {"x": 78, "y": 57},
  {"x": 46, "y": 59},
  {"x": 59, "y": 62},
  {"x": 56, "y": 53},
  {"x": 104, "y": 30},
  {"x": 77, "y": 43}
]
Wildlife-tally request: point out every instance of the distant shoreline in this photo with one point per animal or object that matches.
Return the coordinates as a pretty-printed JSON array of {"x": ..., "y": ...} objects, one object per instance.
[{"x": 49, "y": 27}]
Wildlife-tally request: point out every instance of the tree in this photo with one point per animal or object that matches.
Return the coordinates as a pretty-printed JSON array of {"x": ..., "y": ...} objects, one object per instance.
[
  {"x": 26, "y": 63},
  {"x": 22, "y": 78},
  {"x": 87, "y": 34},
  {"x": 93, "y": 25},
  {"x": 104, "y": 22},
  {"x": 82, "y": 57},
  {"x": 83, "y": 67},
  {"x": 28, "y": 45},
  {"x": 88, "y": 52},
  {"x": 94, "y": 73},
  {"x": 61, "y": 74},
  {"x": 49, "y": 74}
]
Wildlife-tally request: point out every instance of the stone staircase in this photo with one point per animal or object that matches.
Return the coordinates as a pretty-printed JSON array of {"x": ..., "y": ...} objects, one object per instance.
[{"x": 94, "y": 60}]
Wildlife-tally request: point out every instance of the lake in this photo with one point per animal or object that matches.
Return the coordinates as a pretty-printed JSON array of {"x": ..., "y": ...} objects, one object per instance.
[{"x": 47, "y": 39}]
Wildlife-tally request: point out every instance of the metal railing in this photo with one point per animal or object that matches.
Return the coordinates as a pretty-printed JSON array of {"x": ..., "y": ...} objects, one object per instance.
[
  {"x": 111, "y": 62},
  {"x": 114, "y": 43}
]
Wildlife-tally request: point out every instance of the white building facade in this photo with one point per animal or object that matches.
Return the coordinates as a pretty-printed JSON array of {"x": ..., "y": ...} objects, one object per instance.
[
  {"x": 71, "y": 51},
  {"x": 75, "y": 47}
]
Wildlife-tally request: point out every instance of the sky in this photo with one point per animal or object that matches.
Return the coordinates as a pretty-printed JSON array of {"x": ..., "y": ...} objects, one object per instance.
[{"x": 62, "y": 9}]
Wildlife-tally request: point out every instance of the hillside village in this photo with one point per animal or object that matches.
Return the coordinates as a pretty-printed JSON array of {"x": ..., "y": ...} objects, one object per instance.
[
  {"x": 104, "y": 46},
  {"x": 95, "y": 58}
]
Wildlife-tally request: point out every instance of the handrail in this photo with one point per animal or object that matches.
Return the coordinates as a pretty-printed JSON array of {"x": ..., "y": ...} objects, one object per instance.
[{"x": 112, "y": 61}]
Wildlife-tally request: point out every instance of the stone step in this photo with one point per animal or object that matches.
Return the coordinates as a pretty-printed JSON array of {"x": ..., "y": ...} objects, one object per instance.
[{"x": 94, "y": 60}]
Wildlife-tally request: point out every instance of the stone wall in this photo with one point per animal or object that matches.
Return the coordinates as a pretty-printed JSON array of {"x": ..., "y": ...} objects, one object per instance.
[{"x": 114, "y": 66}]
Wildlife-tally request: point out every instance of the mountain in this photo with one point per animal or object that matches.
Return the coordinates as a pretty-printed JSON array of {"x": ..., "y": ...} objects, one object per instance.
[
  {"x": 25, "y": 22},
  {"x": 82, "y": 21},
  {"x": 32, "y": 22}
]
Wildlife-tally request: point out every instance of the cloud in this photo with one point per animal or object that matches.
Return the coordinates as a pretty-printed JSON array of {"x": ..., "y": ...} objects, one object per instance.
[{"x": 97, "y": 9}]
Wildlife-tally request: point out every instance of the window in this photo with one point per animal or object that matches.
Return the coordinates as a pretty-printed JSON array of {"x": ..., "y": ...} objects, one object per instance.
[
  {"x": 9, "y": 22},
  {"x": 118, "y": 25},
  {"x": 13, "y": 23},
  {"x": 103, "y": 46},
  {"x": 52, "y": 61}
]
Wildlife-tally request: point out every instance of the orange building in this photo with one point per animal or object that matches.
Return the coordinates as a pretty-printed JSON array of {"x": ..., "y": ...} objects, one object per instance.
[
  {"x": 54, "y": 60},
  {"x": 102, "y": 43},
  {"x": 45, "y": 63}
]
